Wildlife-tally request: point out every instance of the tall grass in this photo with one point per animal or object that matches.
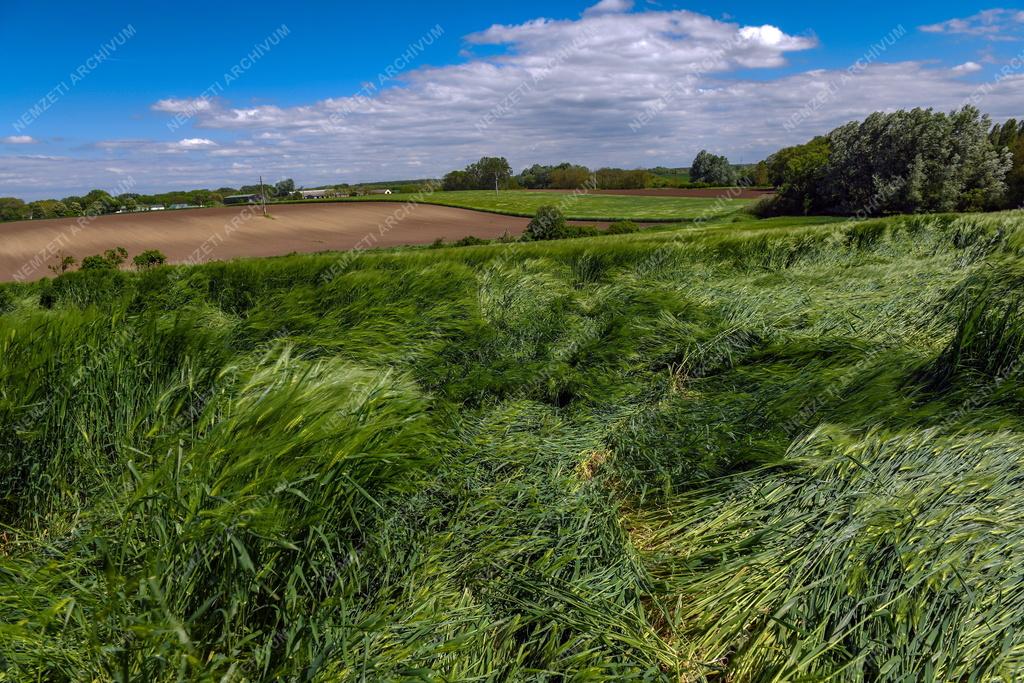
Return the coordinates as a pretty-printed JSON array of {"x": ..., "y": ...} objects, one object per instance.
[{"x": 782, "y": 449}]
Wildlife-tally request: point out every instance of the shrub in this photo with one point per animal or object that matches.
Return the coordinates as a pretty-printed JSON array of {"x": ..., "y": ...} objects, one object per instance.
[
  {"x": 110, "y": 260},
  {"x": 64, "y": 262},
  {"x": 470, "y": 241},
  {"x": 622, "y": 228},
  {"x": 149, "y": 259},
  {"x": 573, "y": 231},
  {"x": 116, "y": 256},
  {"x": 6, "y": 300},
  {"x": 96, "y": 262},
  {"x": 548, "y": 224}
]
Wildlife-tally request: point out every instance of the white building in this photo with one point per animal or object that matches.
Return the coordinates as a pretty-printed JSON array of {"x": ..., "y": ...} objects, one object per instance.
[{"x": 316, "y": 194}]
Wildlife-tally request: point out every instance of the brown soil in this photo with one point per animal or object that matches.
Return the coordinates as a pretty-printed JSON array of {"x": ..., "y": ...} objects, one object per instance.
[{"x": 199, "y": 235}]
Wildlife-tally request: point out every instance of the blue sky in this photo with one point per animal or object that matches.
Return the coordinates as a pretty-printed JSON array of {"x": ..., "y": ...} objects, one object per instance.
[{"x": 618, "y": 84}]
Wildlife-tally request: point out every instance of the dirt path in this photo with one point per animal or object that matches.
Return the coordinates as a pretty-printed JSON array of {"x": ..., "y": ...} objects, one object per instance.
[{"x": 199, "y": 235}]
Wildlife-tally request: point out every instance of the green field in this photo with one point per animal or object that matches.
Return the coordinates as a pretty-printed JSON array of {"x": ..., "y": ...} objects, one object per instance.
[
  {"x": 766, "y": 451},
  {"x": 579, "y": 207}
]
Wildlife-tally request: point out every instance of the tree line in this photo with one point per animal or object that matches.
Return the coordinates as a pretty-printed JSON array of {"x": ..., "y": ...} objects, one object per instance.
[
  {"x": 101, "y": 202},
  {"x": 707, "y": 170},
  {"x": 916, "y": 161}
]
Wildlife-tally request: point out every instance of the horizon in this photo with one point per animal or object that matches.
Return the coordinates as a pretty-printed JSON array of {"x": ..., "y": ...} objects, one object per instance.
[{"x": 172, "y": 102}]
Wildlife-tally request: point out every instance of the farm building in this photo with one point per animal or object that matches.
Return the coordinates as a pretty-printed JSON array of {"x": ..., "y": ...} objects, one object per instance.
[
  {"x": 384, "y": 191},
  {"x": 316, "y": 194},
  {"x": 242, "y": 199}
]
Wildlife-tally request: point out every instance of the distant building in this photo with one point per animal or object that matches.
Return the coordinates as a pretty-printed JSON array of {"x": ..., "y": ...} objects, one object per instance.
[
  {"x": 175, "y": 207},
  {"x": 385, "y": 191},
  {"x": 316, "y": 194},
  {"x": 242, "y": 199}
]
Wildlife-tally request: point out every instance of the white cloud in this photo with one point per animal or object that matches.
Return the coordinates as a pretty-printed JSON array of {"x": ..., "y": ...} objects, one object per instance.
[
  {"x": 19, "y": 140},
  {"x": 557, "y": 90},
  {"x": 766, "y": 35},
  {"x": 196, "y": 143},
  {"x": 173, "y": 105},
  {"x": 609, "y": 7},
  {"x": 993, "y": 24},
  {"x": 967, "y": 68}
]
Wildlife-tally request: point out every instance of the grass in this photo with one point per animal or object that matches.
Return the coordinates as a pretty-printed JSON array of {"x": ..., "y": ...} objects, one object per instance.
[
  {"x": 765, "y": 450},
  {"x": 576, "y": 206}
]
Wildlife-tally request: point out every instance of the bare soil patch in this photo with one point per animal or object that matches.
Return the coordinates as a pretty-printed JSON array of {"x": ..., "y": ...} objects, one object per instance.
[{"x": 200, "y": 235}]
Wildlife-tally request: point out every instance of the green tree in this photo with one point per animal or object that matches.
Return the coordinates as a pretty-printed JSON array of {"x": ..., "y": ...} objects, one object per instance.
[
  {"x": 63, "y": 263},
  {"x": 96, "y": 262},
  {"x": 458, "y": 180},
  {"x": 149, "y": 259},
  {"x": 712, "y": 169},
  {"x": 536, "y": 177},
  {"x": 99, "y": 202},
  {"x": 116, "y": 256},
  {"x": 915, "y": 161},
  {"x": 898, "y": 162},
  {"x": 284, "y": 187},
  {"x": 569, "y": 177},
  {"x": 548, "y": 224},
  {"x": 12, "y": 209},
  {"x": 798, "y": 173},
  {"x": 490, "y": 172},
  {"x": 1009, "y": 136},
  {"x": 619, "y": 179}
]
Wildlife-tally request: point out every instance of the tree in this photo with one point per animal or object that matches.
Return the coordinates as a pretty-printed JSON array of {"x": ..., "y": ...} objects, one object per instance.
[
  {"x": 110, "y": 260},
  {"x": 536, "y": 177},
  {"x": 458, "y": 180},
  {"x": 569, "y": 177},
  {"x": 480, "y": 176},
  {"x": 798, "y": 173},
  {"x": 116, "y": 256},
  {"x": 619, "y": 179},
  {"x": 491, "y": 172},
  {"x": 899, "y": 162},
  {"x": 759, "y": 176},
  {"x": 284, "y": 187},
  {"x": 548, "y": 224},
  {"x": 63, "y": 263},
  {"x": 915, "y": 161},
  {"x": 99, "y": 202},
  {"x": 149, "y": 259},
  {"x": 1015, "y": 178},
  {"x": 1010, "y": 137},
  {"x": 12, "y": 209},
  {"x": 96, "y": 262},
  {"x": 712, "y": 169}
]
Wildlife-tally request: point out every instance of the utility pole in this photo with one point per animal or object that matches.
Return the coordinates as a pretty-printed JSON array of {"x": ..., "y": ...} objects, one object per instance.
[
  {"x": 495, "y": 184},
  {"x": 263, "y": 196}
]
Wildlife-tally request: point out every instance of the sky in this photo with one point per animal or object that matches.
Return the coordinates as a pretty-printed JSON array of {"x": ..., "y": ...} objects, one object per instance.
[{"x": 147, "y": 97}]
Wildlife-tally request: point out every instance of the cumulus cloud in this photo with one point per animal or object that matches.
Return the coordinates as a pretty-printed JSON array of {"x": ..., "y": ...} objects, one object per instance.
[
  {"x": 627, "y": 89},
  {"x": 196, "y": 143},
  {"x": 609, "y": 7},
  {"x": 993, "y": 24},
  {"x": 19, "y": 140},
  {"x": 967, "y": 68}
]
